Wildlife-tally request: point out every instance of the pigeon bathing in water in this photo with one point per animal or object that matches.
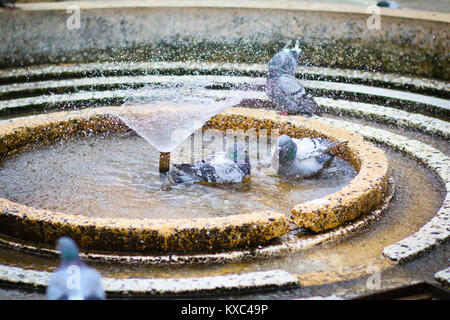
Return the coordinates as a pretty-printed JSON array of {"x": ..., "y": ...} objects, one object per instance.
[
  {"x": 301, "y": 158},
  {"x": 230, "y": 167},
  {"x": 74, "y": 280},
  {"x": 284, "y": 90}
]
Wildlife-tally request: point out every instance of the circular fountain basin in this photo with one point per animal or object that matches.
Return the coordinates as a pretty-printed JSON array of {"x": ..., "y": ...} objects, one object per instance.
[
  {"x": 362, "y": 194},
  {"x": 221, "y": 42},
  {"x": 116, "y": 176}
]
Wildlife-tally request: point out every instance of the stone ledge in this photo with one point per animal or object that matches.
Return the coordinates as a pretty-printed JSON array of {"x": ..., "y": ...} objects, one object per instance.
[
  {"x": 433, "y": 105},
  {"x": 264, "y": 4},
  {"x": 218, "y": 68},
  {"x": 387, "y": 115},
  {"x": 345, "y": 273},
  {"x": 437, "y": 229},
  {"x": 289, "y": 243},
  {"x": 275, "y": 279},
  {"x": 225, "y": 32},
  {"x": 443, "y": 276}
]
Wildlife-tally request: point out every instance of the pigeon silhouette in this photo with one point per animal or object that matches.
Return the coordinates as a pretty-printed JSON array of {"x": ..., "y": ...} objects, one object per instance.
[
  {"x": 73, "y": 280},
  {"x": 386, "y": 4},
  {"x": 301, "y": 158},
  {"x": 284, "y": 90},
  {"x": 230, "y": 167},
  {"x": 4, "y": 4}
]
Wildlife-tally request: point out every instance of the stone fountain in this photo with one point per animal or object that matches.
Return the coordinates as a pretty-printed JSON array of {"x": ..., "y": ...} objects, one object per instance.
[{"x": 385, "y": 91}]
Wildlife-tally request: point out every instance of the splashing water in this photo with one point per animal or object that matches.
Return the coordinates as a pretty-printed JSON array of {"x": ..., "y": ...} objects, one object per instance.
[{"x": 166, "y": 116}]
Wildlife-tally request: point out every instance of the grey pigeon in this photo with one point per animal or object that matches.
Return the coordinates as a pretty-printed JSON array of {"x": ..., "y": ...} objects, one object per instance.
[
  {"x": 285, "y": 61},
  {"x": 386, "y": 4},
  {"x": 301, "y": 158},
  {"x": 231, "y": 167},
  {"x": 3, "y": 4},
  {"x": 74, "y": 280},
  {"x": 284, "y": 90}
]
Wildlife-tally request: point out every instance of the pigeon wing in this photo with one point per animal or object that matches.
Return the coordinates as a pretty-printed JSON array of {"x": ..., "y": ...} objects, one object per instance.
[
  {"x": 290, "y": 86},
  {"x": 197, "y": 171},
  {"x": 225, "y": 169},
  {"x": 312, "y": 147},
  {"x": 188, "y": 168},
  {"x": 284, "y": 91},
  {"x": 292, "y": 90}
]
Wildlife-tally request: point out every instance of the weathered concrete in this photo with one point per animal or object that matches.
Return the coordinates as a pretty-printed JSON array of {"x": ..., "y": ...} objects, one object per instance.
[{"x": 410, "y": 42}]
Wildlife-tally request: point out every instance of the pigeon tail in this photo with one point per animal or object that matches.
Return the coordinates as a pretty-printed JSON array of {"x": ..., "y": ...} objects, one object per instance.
[
  {"x": 194, "y": 173},
  {"x": 307, "y": 106},
  {"x": 326, "y": 157},
  {"x": 333, "y": 145},
  {"x": 180, "y": 177}
]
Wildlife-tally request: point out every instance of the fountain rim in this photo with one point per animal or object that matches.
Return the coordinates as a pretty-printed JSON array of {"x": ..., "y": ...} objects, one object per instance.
[
  {"x": 229, "y": 4},
  {"x": 428, "y": 157},
  {"x": 342, "y": 204},
  {"x": 289, "y": 244},
  {"x": 385, "y": 12}
]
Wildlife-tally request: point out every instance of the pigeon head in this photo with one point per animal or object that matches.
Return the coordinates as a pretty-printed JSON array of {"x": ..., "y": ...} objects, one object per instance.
[
  {"x": 295, "y": 52},
  {"x": 68, "y": 248},
  {"x": 287, "y": 149},
  {"x": 285, "y": 61}
]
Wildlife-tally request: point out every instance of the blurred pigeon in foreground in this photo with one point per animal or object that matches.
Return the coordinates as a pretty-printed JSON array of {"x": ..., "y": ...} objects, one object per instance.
[
  {"x": 386, "y": 4},
  {"x": 74, "y": 280},
  {"x": 283, "y": 89},
  {"x": 3, "y": 4},
  {"x": 301, "y": 158},
  {"x": 230, "y": 167}
]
